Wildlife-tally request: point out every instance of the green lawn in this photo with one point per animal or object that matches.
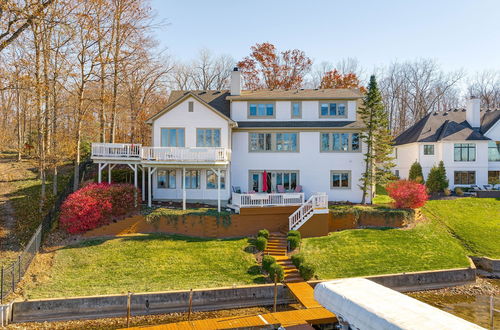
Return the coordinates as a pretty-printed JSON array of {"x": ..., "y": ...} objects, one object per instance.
[
  {"x": 147, "y": 263},
  {"x": 362, "y": 252},
  {"x": 473, "y": 221}
]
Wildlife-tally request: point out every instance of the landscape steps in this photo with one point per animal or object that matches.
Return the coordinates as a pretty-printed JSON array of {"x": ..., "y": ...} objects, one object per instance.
[{"x": 277, "y": 247}]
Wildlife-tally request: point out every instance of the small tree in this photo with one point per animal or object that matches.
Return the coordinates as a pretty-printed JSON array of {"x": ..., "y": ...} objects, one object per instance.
[
  {"x": 437, "y": 181},
  {"x": 407, "y": 194},
  {"x": 416, "y": 173}
]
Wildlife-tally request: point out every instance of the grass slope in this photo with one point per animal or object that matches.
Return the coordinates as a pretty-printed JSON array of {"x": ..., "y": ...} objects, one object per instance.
[
  {"x": 473, "y": 221},
  {"x": 364, "y": 252},
  {"x": 147, "y": 263}
]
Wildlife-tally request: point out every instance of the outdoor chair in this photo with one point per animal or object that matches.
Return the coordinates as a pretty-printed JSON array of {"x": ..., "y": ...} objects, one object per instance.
[
  {"x": 298, "y": 188},
  {"x": 488, "y": 187},
  {"x": 281, "y": 189},
  {"x": 237, "y": 190}
]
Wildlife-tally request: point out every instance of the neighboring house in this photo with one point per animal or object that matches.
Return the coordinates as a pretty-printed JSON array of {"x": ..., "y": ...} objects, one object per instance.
[
  {"x": 466, "y": 140},
  {"x": 265, "y": 147}
]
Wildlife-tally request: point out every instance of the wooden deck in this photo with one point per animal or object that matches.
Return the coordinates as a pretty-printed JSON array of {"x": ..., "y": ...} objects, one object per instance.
[
  {"x": 304, "y": 294},
  {"x": 289, "y": 318}
]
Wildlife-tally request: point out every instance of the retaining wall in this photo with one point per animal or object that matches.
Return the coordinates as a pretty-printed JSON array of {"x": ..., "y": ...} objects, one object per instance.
[
  {"x": 487, "y": 264},
  {"x": 211, "y": 299}
]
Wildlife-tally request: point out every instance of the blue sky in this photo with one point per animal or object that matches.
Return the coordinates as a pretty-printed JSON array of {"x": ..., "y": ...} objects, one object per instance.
[{"x": 459, "y": 34}]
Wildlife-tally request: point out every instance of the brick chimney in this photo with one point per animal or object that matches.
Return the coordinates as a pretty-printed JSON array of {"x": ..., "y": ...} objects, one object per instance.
[
  {"x": 235, "y": 82},
  {"x": 473, "y": 114}
]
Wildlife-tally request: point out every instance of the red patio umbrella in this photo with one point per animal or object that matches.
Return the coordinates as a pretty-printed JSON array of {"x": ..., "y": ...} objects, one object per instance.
[{"x": 264, "y": 181}]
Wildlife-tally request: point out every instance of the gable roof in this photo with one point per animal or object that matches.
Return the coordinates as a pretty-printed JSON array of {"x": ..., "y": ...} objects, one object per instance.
[
  {"x": 300, "y": 94},
  {"x": 214, "y": 100},
  {"x": 448, "y": 126}
]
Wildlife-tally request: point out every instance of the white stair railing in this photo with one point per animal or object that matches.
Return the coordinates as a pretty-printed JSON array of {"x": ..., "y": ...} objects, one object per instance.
[{"x": 318, "y": 201}]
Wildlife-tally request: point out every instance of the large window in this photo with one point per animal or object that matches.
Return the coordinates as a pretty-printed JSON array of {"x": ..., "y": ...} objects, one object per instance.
[
  {"x": 340, "y": 142},
  {"x": 257, "y": 109},
  {"x": 428, "y": 149},
  {"x": 465, "y": 177},
  {"x": 328, "y": 109},
  {"x": 166, "y": 179},
  {"x": 296, "y": 110},
  {"x": 192, "y": 179},
  {"x": 208, "y": 137},
  {"x": 494, "y": 177},
  {"x": 494, "y": 151},
  {"x": 280, "y": 142},
  {"x": 212, "y": 179},
  {"x": 172, "y": 137},
  {"x": 340, "y": 179},
  {"x": 465, "y": 152},
  {"x": 288, "y": 179}
]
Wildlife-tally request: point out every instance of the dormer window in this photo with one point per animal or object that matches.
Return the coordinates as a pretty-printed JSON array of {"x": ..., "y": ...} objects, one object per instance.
[
  {"x": 261, "y": 110},
  {"x": 332, "y": 109}
]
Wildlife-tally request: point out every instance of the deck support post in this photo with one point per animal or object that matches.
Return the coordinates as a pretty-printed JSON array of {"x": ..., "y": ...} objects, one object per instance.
[
  {"x": 135, "y": 169},
  {"x": 218, "y": 190},
  {"x": 143, "y": 191},
  {"x": 99, "y": 172},
  {"x": 183, "y": 188},
  {"x": 149, "y": 186},
  {"x": 110, "y": 168}
]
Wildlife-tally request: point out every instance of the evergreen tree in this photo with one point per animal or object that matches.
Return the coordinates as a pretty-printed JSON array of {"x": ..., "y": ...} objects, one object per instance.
[
  {"x": 437, "y": 181},
  {"x": 416, "y": 173},
  {"x": 378, "y": 140}
]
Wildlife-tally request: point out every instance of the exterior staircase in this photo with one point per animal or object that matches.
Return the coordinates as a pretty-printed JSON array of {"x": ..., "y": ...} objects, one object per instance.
[
  {"x": 316, "y": 204},
  {"x": 277, "y": 247}
]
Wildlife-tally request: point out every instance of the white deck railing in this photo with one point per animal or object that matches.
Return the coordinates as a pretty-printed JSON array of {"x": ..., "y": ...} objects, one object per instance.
[
  {"x": 318, "y": 201},
  {"x": 165, "y": 154},
  {"x": 265, "y": 199},
  {"x": 115, "y": 150}
]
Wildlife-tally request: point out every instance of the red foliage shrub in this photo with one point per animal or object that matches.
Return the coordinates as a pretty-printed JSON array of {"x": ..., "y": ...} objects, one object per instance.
[
  {"x": 95, "y": 205},
  {"x": 407, "y": 194}
]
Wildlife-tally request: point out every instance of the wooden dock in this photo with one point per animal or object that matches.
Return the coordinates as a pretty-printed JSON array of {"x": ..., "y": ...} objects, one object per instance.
[
  {"x": 304, "y": 294},
  {"x": 289, "y": 318}
]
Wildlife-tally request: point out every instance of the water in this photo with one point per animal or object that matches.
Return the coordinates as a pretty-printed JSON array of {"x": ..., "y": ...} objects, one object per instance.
[{"x": 474, "y": 308}]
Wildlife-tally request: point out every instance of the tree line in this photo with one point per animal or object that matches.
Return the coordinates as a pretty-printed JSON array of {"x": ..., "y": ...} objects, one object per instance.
[{"x": 73, "y": 72}]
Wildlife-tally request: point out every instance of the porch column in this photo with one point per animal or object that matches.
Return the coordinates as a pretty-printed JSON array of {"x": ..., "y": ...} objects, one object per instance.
[
  {"x": 110, "y": 168},
  {"x": 99, "y": 171},
  {"x": 149, "y": 186},
  {"x": 143, "y": 191},
  {"x": 218, "y": 190},
  {"x": 183, "y": 188}
]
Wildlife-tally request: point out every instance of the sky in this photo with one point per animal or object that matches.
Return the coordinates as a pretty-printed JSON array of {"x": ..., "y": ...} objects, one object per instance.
[{"x": 459, "y": 34}]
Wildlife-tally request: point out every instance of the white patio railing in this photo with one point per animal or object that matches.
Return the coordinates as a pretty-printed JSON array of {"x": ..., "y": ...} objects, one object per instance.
[
  {"x": 265, "y": 199},
  {"x": 318, "y": 201},
  {"x": 165, "y": 154},
  {"x": 115, "y": 150}
]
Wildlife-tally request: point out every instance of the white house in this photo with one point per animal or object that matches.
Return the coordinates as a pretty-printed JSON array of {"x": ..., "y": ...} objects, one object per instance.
[
  {"x": 466, "y": 140},
  {"x": 261, "y": 148}
]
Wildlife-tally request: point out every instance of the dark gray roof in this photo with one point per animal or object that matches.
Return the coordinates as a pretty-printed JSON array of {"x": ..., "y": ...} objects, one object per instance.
[
  {"x": 300, "y": 124},
  {"x": 447, "y": 126},
  {"x": 216, "y": 99}
]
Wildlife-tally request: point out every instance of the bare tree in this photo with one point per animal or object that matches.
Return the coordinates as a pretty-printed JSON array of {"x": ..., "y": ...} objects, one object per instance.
[{"x": 486, "y": 85}]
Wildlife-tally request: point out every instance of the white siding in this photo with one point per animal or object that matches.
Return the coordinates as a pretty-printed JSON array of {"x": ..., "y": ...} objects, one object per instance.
[
  {"x": 310, "y": 111},
  {"x": 314, "y": 167},
  {"x": 407, "y": 155}
]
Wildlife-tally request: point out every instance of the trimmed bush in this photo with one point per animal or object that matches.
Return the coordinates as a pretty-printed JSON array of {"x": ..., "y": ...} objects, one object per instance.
[
  {"x": 267, "y": 261},
  {"x": 306, "y": 270},
  {"x": 407, "y": 194},
  {"x": 278, "y": 270},
  {"x": 415, "y": 173},
  {"x": 95, "y": 205},
  {"x": 437, "y": 180},
  {"x": 263, "y": 233},
  {"x": 298, "y": 259},
  {"x": 459, "y": 191},
  {"x": 294, "y": 233},
  {"x": 293, "y": 242},
  {"x": 260, "y": 243}
]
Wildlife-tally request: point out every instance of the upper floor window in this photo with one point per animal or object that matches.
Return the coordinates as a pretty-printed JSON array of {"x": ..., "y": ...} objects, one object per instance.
[
  {"x": 340, "y": 142},
  {"x": 208, "y": 137},
  {"x": 494, "y": 151},
  {"x": 428, "y": 149},
  {"x": 296, "y": 110},
  {"x": 260, "y": 109},
  {"x": 282, "y": 142},
  {"x": 172, "y": 137},
  {"x": 465, "y": 152},
  {"x": 329, "y": 109}
]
